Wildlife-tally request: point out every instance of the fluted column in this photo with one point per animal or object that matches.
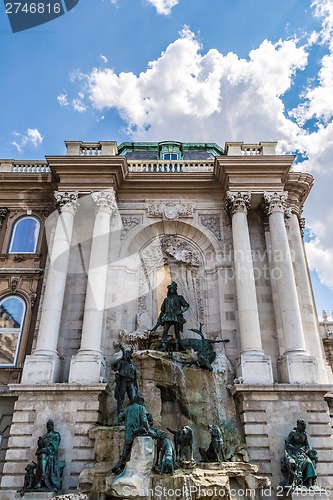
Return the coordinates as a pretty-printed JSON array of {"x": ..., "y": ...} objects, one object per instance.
[
  {"x": 88, "y": 366},
  {"x": 43, "y": 366},
  {"x": 253, "y": 365},
  {"x": 295, "y": 366}
]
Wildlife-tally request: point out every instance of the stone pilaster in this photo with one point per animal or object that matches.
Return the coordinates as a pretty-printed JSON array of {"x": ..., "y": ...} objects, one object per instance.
[
  {"x": 253, "y": 366},
  {"x": 88, "y": 365},
  {"x": 296, "y": 365},
  {"x": 43, "y": 366}
]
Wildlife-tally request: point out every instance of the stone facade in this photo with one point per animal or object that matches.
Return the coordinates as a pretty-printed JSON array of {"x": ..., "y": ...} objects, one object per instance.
[{"x": 115, "y": 228}]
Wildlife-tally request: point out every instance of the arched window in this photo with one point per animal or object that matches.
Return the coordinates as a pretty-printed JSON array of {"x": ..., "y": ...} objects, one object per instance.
[
  {"x": 12, "y": 314},
  {"x": 25, "y": 235}
]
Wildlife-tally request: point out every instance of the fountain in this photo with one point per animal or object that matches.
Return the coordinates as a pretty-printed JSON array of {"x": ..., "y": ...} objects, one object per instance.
[{"x": 183, "y": 388}]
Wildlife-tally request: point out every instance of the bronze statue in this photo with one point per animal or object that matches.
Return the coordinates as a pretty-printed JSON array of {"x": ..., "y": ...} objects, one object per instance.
[
  {"x": 46, "y": 475},
  {"x": 215, "y": 451},
  {"x": 233, "y": 445},
  {"x": 165, "y": 454},
  {"x": 136, "y": 424},
  {"x": 299, "y": 462},
  {"x": 126, "y": 379},
  {"x": 203, "y": 347},
  {"x": 183, "y": 439},
  {"x": 172, "y": 310}
]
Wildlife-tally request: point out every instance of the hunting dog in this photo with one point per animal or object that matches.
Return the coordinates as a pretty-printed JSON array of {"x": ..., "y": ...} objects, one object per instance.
[
  {"x": 215, "y": 452},
  {"x": 165, "y": 455},
  {"x": 182, "y": 440}
]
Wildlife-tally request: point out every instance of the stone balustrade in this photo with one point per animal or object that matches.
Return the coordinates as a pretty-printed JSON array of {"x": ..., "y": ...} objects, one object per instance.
[
  {"x": 174, "y": 166},
  {"x": 24, "y": 166}
]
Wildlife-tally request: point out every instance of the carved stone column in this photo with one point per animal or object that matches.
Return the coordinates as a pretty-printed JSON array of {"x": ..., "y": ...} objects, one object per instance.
[
  {"x": 88, "y": 365},
  {"x": 253, "y": 366},
  {"x": 43, "y": 366},
  {"x": 295, "y": 365}
]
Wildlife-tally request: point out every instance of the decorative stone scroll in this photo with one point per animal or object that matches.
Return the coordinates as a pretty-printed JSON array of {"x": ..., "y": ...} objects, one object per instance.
[
  {"x": 170, "y": 210},
  {"x": 238, "y": 202},
  {"x": 212, "y": 222}
]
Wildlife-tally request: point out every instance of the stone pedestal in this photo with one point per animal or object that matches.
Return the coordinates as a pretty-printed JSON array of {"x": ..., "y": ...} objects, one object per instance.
[
  {"x": 298, "y": 369},
  {"x": 87, "y": 368},
  {"x": 135, "y": 480},
  {"x": 254, "y": 368},
  {"x": 41, "y": 368}
]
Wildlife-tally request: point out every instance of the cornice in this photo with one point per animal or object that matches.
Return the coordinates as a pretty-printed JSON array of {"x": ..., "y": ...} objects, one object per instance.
[
  {"x": 85, "y": 173},
  {"x": 253, "y": 173},
  {"x": 298, "y": 185}
]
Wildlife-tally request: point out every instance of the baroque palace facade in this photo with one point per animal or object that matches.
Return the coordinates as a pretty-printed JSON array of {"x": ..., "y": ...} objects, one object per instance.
[{"x": 91, "y": 239}]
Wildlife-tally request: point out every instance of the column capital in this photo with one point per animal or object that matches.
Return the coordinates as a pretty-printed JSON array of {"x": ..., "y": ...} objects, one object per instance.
[
  {"x": 105, "y": 201},
  {"x": 238, "y": 201},
  {"x": 66, "y": 200},
  {"x": 276, "y": 202}
]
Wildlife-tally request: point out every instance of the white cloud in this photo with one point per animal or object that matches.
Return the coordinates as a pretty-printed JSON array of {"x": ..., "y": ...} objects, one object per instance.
[
  {"x": 203, "y": 96},
  {"x": 163, "y": 7},
  {"x": 32, "y": 137},
  {"x": 104, "y": 59},
  {"x": 63, "y": 99}
]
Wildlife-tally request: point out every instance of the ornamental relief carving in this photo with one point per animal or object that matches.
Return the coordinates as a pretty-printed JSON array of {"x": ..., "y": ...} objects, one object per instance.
[
  {"x": 169, "y": 210},
  {"x": 213, "y": 223},
  {"x": 182, "y": 263},
  {"x": 128, "y": 223}
]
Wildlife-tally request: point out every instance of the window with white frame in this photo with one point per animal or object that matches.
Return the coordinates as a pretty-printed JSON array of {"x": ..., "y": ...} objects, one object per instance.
[
  {"x": 25, "y": 234},
  {"x": 170, "y": 156},
  {"x": 12, "y": 314}
]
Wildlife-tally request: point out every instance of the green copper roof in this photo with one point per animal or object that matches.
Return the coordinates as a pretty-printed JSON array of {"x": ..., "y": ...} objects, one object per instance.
[{"x": 164, "y": 150}]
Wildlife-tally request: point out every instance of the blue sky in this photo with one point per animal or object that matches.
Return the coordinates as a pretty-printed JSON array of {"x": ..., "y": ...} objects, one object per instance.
[{"x": 189, "y": 70}]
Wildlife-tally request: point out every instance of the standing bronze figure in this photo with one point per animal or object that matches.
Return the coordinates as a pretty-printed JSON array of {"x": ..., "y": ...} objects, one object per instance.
[
  {"x": 127, "y": 376},
  {"x": 172, "y": 310}
]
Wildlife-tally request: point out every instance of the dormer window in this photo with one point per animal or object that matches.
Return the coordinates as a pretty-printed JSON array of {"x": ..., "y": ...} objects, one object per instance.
[{"x": 170, "y": 156}]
